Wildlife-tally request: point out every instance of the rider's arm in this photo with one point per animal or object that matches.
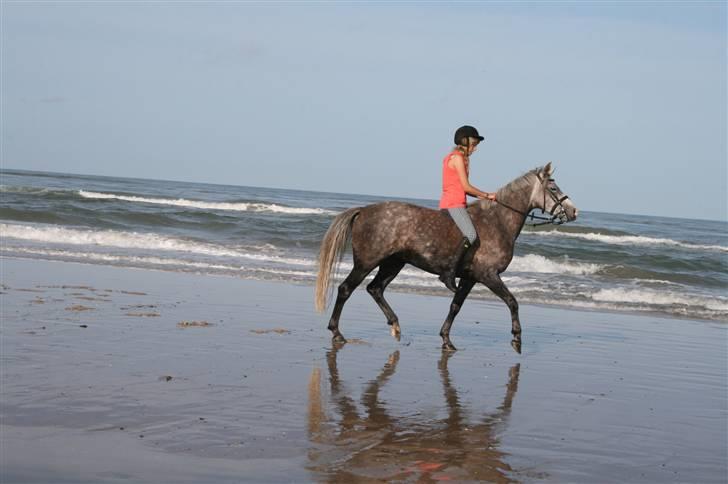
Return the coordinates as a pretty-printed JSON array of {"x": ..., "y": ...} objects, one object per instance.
[{"x": 458, "y": 163}]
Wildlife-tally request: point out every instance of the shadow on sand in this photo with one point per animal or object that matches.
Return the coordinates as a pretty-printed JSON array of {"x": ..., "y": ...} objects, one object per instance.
[{"x": 377, "y": 446}]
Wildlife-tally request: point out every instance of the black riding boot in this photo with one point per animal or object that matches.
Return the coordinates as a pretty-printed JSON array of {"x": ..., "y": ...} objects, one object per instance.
[{"x": 463, "y": 257}]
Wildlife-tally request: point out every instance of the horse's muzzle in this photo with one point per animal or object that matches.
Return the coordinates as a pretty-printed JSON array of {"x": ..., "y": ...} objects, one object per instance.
[{"x": 569, "y": 211}]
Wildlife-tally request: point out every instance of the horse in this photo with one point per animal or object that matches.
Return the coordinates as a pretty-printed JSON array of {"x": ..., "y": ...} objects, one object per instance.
[{"x": 390, "y": 235}]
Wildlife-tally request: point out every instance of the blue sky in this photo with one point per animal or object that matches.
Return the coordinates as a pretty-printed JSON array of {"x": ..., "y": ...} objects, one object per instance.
[{"x": 627, "y": 99}]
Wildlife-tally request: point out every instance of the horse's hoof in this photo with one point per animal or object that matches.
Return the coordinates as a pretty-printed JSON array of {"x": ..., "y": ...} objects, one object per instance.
[
  {"x": 516, "y": 345},
  {"x": 448, "y": 346},
  {"x": 339, "y": 339},
  {"x": 395, "y": 331}
]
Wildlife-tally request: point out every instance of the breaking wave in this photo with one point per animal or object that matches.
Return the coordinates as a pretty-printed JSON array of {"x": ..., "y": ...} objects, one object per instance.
[
  {"x": 653, "y": 298},
  {"x": 539, "y": 263},
  {"x": 235, "y": 206},
  {"x": 628, "y": 240},
  {"x": 133, "y": 240}
]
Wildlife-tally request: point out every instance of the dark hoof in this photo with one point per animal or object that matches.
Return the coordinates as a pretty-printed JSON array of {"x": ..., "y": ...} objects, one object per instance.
[
  {"x": 448, "y": 346},
  {"x": 339, "y": 339},
  {"x": 516, "y": 345}
]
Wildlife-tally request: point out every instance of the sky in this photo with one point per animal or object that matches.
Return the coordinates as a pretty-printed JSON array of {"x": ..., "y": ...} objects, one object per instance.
[{"x": 627, "y": 99}]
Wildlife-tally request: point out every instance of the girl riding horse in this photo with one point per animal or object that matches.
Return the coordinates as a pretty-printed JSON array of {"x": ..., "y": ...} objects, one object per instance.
[{"x": 455, "y": 185}]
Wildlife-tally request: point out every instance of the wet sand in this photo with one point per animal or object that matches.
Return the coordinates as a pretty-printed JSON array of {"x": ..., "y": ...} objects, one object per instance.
[{"x": 111, "y": 375}]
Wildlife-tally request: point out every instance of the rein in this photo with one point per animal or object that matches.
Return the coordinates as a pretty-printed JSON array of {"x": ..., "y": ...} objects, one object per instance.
[
  {"x": 558, "y": 219},
  {"x": 543, "y": 220}
]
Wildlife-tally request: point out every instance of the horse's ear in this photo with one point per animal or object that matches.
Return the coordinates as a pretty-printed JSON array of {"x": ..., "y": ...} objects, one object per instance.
[{"x": 548, "y": 170}]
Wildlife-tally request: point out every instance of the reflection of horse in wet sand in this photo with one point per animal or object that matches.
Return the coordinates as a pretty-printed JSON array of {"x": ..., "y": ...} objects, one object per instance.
[
  {"x": 378, "y": 446},
  {"x": 390, "y": 235}
]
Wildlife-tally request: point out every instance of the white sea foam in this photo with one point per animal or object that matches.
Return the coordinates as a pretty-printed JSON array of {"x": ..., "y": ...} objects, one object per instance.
[
  {"x": 528, "y": 263},
  {"x": 235, "y": 206},
  {"x": 659, "y": 298},
  {"x": 539, "y": 263},
  {"x": 52, "y": 234},
  {"x": 628, "y": 240},
  {"x": 123, "y": 259},
  {"x": 145, "y": 262},
  {"x": 680, "y": 311}
]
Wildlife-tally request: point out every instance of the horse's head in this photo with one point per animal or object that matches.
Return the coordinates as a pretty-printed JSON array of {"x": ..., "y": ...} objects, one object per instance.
[{"x": 548, "y": 196}]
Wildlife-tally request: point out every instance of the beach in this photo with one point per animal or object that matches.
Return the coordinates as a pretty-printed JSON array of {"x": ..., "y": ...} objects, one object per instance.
[
  {"x": 181, "y": 183},
  {"x": 113, "y": 374}
]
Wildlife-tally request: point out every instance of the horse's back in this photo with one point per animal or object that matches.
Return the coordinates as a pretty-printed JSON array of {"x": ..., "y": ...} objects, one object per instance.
[
  {"x": 397, "y": 218},
  {"x": 394, "y": 210},
  {"x": 384, "y": 229}
]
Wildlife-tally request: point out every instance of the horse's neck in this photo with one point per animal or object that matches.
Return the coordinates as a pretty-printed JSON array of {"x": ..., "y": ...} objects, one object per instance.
[
  {"x": 517, "y": 194},
  {"x": 513, "y": 220},
  {"x": 515, "y": 203}
]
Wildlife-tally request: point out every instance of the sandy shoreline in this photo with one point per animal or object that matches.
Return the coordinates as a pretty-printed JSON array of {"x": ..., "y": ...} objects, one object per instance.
[{"x": 102, "y": 382}]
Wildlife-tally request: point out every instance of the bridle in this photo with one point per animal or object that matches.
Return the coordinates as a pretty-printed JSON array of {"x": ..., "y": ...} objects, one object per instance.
[{"x": 557, "y": 218}]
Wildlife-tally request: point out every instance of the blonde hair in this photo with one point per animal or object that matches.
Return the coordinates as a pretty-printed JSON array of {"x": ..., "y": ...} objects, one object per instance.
[{"x": 464, "y": 149}]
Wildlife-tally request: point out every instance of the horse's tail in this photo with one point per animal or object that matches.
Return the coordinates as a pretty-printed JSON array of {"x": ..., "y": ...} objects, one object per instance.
[{"x": 330, "y": 253}]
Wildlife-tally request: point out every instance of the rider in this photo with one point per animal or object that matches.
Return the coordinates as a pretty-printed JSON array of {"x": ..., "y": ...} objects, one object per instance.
[{"x": 455, "y": 185}]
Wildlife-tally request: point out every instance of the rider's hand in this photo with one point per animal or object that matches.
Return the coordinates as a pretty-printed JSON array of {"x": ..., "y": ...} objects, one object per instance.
[{"x": 490, "y": 196}]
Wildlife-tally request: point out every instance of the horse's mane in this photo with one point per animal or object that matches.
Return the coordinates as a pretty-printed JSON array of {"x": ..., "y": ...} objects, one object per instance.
[{"x": 518, "y": 184}]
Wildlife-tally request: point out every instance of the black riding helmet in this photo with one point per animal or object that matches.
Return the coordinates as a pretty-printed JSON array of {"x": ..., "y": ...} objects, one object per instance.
[{"x": 466, "y": 132}]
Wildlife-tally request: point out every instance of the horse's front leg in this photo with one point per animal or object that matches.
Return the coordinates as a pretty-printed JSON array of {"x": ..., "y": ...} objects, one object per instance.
[
  {"x": 463, "y": 290},
  {"x": 495, "y": 284}
]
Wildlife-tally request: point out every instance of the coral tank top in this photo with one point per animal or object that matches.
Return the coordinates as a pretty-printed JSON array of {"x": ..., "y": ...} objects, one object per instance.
[{"x": 453, "y": 193}]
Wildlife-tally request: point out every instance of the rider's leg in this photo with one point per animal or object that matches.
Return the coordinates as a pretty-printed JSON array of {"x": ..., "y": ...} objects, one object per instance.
[{"x": 466, "y": 249}]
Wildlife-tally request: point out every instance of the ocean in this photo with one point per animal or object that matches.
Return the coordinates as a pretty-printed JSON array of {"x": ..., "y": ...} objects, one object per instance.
[{"x": 602, "y": 261}]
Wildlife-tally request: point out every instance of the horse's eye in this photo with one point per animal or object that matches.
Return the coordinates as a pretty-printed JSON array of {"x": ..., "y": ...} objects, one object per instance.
[{"x": 553, "y": 189}]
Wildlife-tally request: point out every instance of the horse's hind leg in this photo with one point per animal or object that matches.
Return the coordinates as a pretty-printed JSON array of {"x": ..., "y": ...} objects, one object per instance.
[
  {"x": 345, "y": 289},
  {"x": 388, "y": 270},
  {"x": 457, "y": 302}
]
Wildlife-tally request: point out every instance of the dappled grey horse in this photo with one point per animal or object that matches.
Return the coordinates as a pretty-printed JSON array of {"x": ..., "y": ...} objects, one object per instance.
[{"x": 391, "y": 234}]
